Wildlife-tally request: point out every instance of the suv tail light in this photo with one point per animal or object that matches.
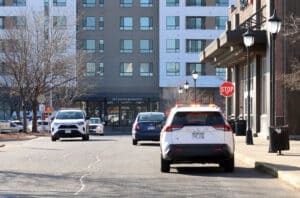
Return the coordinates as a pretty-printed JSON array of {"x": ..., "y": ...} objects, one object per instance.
[
  {"x": 171, "y": 128},
  {"x": 225, "y": 127}
]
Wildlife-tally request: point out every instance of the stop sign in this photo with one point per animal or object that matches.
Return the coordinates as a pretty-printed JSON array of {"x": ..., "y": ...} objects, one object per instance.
[{"x": 227, "y": 89}]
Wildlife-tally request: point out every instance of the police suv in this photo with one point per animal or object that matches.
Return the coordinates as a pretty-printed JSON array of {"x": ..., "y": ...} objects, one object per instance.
[{"x": 197, "y": 134}]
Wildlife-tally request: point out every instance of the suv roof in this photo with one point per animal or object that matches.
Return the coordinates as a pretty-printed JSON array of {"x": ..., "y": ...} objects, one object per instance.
[{"x": 211, "y": 108}]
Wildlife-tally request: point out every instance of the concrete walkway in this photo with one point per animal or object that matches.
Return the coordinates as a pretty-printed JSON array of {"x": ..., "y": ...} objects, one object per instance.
[{"x": 285, "y": 167}]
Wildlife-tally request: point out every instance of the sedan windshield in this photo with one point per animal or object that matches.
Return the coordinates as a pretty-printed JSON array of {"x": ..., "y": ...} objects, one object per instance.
[
  {"x": 69, "y": 115},
  {"x": 95, "y": 121}
]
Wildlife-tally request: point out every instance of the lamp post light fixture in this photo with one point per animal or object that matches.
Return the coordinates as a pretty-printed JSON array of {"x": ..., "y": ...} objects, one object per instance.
[
  {"x": 195, "y": 77},
  {"x": 186, "y": 86},
  {"x": 248, "y": 38}
]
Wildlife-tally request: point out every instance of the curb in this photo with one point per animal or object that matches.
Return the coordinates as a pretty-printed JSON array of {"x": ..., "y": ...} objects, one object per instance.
[{"x": 267, "y": 168}]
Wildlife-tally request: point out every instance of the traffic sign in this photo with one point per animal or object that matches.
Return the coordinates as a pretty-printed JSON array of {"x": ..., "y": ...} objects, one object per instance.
[{"x": 227, "y": 89}]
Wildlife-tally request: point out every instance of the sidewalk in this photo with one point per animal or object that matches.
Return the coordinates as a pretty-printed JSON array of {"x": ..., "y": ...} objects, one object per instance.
[{"x": 286, "y": 167}]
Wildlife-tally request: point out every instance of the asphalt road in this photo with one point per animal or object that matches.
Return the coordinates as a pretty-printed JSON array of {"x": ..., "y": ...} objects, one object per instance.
[{"x": 110, "y": 166}]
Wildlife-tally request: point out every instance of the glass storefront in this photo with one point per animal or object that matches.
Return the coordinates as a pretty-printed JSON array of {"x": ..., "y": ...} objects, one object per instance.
[{"x": 121, "y": 111}]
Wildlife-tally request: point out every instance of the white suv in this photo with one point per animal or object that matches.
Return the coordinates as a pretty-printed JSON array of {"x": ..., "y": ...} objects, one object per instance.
[
  {"x": 70, "y": 123},
  {"x": 197, "y": 134}
]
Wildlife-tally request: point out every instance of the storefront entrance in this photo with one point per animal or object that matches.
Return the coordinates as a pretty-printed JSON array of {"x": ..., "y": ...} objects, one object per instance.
[{"x": 120, "y": 112}]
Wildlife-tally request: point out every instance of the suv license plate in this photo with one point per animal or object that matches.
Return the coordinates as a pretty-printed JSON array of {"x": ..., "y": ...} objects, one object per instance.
[
  {"x": 151, "y": 128},
  {"x": 67, "y": 131},
  {"x": 198, "y": 135}
]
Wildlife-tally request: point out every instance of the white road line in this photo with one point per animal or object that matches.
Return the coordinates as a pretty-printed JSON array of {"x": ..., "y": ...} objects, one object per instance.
[{"x": 87, "y": 174}]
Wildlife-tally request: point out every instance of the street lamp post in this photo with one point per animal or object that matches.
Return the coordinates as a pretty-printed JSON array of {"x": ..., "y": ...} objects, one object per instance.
[
  {"x": 274, "y": 25},
  {"x": 186, "y": 87},
  {"x": 180, "y": 90},
  {"x": 195, "y": 77},
  {"x": 248, "y": 38}
]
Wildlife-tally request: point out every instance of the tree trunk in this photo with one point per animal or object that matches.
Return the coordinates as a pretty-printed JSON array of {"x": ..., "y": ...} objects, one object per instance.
[
  {"x": 24, "y": 118},
  {"x": 34, "y": 115}
]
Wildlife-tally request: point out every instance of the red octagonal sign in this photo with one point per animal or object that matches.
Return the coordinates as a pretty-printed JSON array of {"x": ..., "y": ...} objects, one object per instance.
[{"x": 227, "y": 89}]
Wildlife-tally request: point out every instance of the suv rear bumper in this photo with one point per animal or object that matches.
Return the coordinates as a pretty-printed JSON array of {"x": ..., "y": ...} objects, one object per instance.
[{"x": 204, "y": 153}]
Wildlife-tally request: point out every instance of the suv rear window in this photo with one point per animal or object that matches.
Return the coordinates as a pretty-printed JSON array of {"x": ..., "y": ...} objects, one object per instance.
[
  {"x": 151, "y": 117},
  {"x": 198, "y": 119}
]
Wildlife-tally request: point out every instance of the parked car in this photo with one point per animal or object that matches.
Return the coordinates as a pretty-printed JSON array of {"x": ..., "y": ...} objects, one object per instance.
[
  {"x": 8, "y": 127},
  {"x": 197, "y": 134},
  {"x": 96, "y": 126},
  {"x": 147, "y": 126},
  {"x": 70, "y": 123},
  {"x": 18, "y": 124},
  {"x": 42, "y": 125}
]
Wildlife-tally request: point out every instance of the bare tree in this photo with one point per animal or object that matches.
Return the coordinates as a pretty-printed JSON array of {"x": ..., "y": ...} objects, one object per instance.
[
  {"x": 39, "y": 58},
  {"x": 292, "y": 33}
]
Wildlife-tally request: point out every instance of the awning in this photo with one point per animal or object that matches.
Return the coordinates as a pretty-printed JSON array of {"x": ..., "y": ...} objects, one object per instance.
[{"x": 229, "y": 50}]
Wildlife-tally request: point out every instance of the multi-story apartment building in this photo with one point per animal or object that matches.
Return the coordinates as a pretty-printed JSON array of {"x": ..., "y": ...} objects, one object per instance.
[
  {"x": 186, "y": 27},
  {"x": 15, "y": 14},
  {"x": 122, "y": 68},
  {"x": 272, "y": 103}
]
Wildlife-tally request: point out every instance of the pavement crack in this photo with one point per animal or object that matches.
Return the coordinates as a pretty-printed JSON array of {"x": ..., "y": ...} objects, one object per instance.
[{"x": 81, "y": 180}]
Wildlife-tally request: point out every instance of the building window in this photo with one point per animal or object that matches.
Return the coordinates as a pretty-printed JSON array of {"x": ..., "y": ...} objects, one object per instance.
[
  {"x": 126, "y": 3},
  {"x": 264, "y": 86},
  {"x": 194, "y": 22},
  {"x": 1, "y": 2},
  {"x": 126, "y": 69},
  {"x": 172, "y": 2},
  {"x": 90, "y": 69},
  {"x": 190, "y": 67},
  {"x": 220, "y": 71},
  {"x": 101, "y": 3},
  {"x": 146, "y": 46},
  {"x": 89, "y": 3},
  {"x": 19, "y": 22},
  {"x": 126, "y": 46},
  {"x": 221, "y": 22},
  {"x": 172, "y": 22},
  {"x": 194, "y": 45},
  {"x": 60, "y": 22},
  {"x": 222, "y": 3},
  {"x": 146, "y": 23},
  {"x": 89, "y": 23},
  {"x": 195, "y": 3},
  {"x": 146, "y": 3},
  {"x": 1, "y": 22},
  {"x": 93, "y": 70},
  {"x": 59, "y": 2},
  {"x": 126, "y": 23},
  {"x": 172, "y": 45},
  {"x": 146, "y": 69},
  {"x": 89, "y": 46},
  {"x": 173, "y": 69},
  {"x": 101, "y": 23},
  {"x": 101, "y": 46},
  {"x": 19, "y": 3}
]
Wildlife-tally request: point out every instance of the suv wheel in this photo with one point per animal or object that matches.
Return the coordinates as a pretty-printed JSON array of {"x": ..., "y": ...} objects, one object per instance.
[
  {"x": 85, "y": 137},
  {"x": 228, "y": 165},
  {"x": 164, "y": 165},
  {"x": 134, "y": 142},
  {"x": 53, "y": 138}
]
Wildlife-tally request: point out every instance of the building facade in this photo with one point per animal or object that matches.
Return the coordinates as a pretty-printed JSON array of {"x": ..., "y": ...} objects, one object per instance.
[
  {"x": 24, "y": 14},
  {"x": 186, "y": 28},
  {"x": 122, "y": 68},
  {"x": 229, "y": 50}
]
